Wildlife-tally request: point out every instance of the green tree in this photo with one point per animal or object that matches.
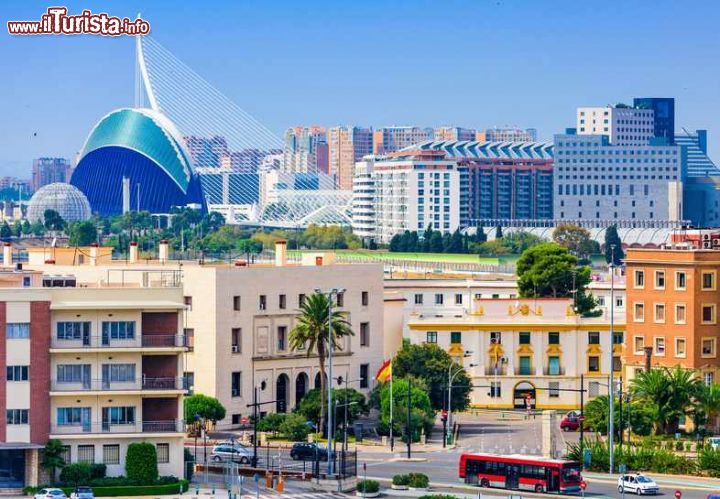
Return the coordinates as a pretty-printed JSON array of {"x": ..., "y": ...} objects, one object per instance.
[
  {"x": 426, "y": 237},
  {"x": 668, "y": 393},
  {"x": 83, "y": 233},
  {"x": 26, "y": 227},
  {"x": 708, "y": 403},
  {"x": 311, "y": 333},
  {"x": 496, "y": 247},
  {"x": 295, "y": 427},
  {"x": 37, "y": 228},
  {"x": 456, "y": 242},
  {"x": 573, "y": 237},
  {"x": 436, "y": 243},
  {"x": 480, "y": 236},
  {"x": 612, "y": 239},
  {"x": 311, "y": 405},
  {"x": 422, "y": 415},
  {"x": 549, "y": 270},
  {"x": 271, "y": 422},
  {"x": 5, "y": 231},
  {"x": 141, "y": 463},
  {"x": 53, "y": 459},
  {"x": 430, "y": 363},
  {"x": 498, "y": 232},
  {"x": 396, "y": 244},
  {"x": 521, "y": 240},
  {"x": 208, "y": 408},
  {"x": 53, "y": 220},
  {"x": 17, "y": 228}
]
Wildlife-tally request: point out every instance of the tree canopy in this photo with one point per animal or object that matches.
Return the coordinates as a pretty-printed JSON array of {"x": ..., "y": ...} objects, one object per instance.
[
  {"x": 422, "y": 415},
  {"x": 205, "y": 407},
  {"x": 310, "y": 405},
  {"x": 82, "y": 233},
  {"x": 613, "y": 245},
  {"x": 576, "y": 239}
]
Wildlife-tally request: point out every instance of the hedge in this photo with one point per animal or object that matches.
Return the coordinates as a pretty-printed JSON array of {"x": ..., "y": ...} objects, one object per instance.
[
  {"x": 127, "y": 490},
  {"x": 368, "y": 486}
]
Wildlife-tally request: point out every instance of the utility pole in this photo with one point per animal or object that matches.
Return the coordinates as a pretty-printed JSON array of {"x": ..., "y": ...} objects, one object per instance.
[
  {"x": 255, "y": 406},
  {"x": 409, "y": 429},
  {"x": 611, "y": 388},
  {"x": 582, "y": 415}
]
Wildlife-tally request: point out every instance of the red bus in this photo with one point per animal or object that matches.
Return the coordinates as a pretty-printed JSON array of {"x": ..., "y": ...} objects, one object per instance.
[{"x": 519, "y": 472}]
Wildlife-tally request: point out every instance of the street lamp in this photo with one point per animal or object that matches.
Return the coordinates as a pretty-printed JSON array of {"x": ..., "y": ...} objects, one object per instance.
[
  {"x": 451, "y": 377},
  {"x": 611, "y": 388},
  {"x": 347, "y": 381},
  {"x": 331, "y": 344}
]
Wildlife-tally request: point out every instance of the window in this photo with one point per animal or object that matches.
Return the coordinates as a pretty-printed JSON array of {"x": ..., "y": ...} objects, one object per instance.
[
  {"x": 495, "y": 389},
  {"x": 17, "y": 416},
  {"x": 72, "y": 330},
  {"x": 163, "y": 453},
  {"x": 708, "y": 347},
  {"x": 708, "y": 281},
  {"x": 281, "y": 338},
  {"x": 418, "y": 298},
  {"x": 680, "y": 347},
  {"x": 364, "y": 334},
  {"x": 593, "y": 337},
  {"x": 554, "y": 389},
  {"x": 708, "y": 314},
  {"x": 236, "y": 419},
  {"x": 496, "y": 337},
  {"x": 554, "y": 365},
  {"x": 111, "y": 454},
  {"x": 118, "y": 415},
  {"x": 524, "y": 338},
  {"x": 616, "y": 363},
  {"x": 86, "y": 454},
  {"x": 235, "y": 381},
  {"x": 431, "y": 337},
  {"x": 639, "y": 345},
  {"x": 594, "y": 364},
  {"x": 639, "y": 312},
  {"x": 680, "y": 314},
  {"x": 18, "y": 330},
  {"x": 438, "y": 298},
  {"x": 73, "y": 416},
  {"x": 554, "y": 338},
  {"x": 189, "y": 377},
  {"x": 188, "y": 302},
  {"x": 189, "y": 338},
  {"x": 18, "y": 373},
  {"x": 660, "y": 346},
  {"x": 525, "y": 365},
  {"x": 659, "y": 279},
  {"x": 301, "y": 299},
  {"x": 618, "y": 338},
  {"x": 639, "y": 279},
  {"x": 236, "y": 338},
  {"x": 708, "y": 378},
  {"x": 236, "y": 303},
  {"x": 456, "y": 337},
  {"x": 365, "y": 298},
  {"x": 73, "y": 373},
  {"x": 118, "y": 373},
  {"x": 340, "y": 301},
  {"x": 118, "y": 330},
  {"x": 262, "y": 302},
  {"x": 282, "y": 302},
  {"x": 659, "y": 312},
  {"x": 458, "y": 298},
  {"x": 680, "y": 280},
  {"x": 364, "y": 369},
  {"x": 65, "y": 453}
]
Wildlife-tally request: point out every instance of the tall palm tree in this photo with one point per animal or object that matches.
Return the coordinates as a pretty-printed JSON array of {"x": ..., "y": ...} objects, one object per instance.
[
  {"x": 668, "y": 393},
  {"x": 708, "y": 403},
  {"x": 311, "y": 334}
]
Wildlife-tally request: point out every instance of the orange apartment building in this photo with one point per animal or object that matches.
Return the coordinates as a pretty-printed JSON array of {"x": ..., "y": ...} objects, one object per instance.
[{"x": 672, "y": 309}]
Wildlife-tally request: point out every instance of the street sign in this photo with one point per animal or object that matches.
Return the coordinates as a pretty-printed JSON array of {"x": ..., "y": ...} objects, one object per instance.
[
  {"x": 444, "y": 414},
  {"x": 678, "y": 494},
  {"x": 244, "y": 420},
  {"x": 583, "y": 485}
]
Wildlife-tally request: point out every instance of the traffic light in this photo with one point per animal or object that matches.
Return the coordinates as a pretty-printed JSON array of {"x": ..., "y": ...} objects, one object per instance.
[
  {"x": 339, "y": 380},
  {"x": 263, "y": 385}
]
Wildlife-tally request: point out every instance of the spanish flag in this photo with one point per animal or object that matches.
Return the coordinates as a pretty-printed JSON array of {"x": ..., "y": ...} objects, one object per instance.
[{"x": 385, "y": 372}]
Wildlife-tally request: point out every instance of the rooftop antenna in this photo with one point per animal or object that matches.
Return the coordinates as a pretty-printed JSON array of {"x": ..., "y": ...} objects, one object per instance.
[{"x": 138, "y": 76}]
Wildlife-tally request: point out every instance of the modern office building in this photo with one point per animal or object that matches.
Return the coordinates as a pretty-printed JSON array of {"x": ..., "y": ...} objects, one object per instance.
[
  {"x": 347, "y": 145},
  {"x": 50, "y": 170},
  {"x": 144, "y": 147},
  {"x": 672, "y": 296},
  {"x": 207, "y": 152},
  {"x": 527, "y": 352},
  {"x": 701, "y": 193},
  {"x": 454, "y": 133},
  {"x": 622, "y": 124},
  {"x": 663, "y": 113},
  {"x": 598, "y": 182},
  {"x": 507, "y": 135},
  {"x": 393, "y": 138},
  {"x": 306, "y": 150}
]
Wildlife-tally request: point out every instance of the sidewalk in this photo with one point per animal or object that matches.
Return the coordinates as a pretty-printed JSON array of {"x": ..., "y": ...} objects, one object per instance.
[{"x": 686, "y": 481}]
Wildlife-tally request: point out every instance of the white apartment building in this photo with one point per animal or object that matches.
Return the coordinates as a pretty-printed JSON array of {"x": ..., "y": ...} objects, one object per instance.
[
  {"x": 363, "y": 202},
  {"x": 624, "y": 126}
]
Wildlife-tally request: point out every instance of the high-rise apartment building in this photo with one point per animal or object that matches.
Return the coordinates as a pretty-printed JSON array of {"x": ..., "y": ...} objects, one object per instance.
[
  {"x": 207, "y": 152},
  {"x": 454, "y": 133},
  {"x": 306, "y": 150},
  {"x": 363, "y": 204},
  {"x": 393, "y": 138},
  {"x": 50, "y": 170},
  {"x": 507, "y": 135},
  {"x": 347, "y": 145},
  {"x": 623, "y": 125},
  {"x": 664, "y": 113}
]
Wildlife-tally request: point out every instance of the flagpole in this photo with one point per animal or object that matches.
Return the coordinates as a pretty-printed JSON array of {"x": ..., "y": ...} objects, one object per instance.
[{"x": 391, "y": 409}]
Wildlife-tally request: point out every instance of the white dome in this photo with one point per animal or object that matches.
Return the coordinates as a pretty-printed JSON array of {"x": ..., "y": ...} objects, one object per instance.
[{"x": 70, "y": 203}]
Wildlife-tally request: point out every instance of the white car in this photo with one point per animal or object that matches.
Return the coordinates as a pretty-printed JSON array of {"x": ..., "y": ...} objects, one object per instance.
[
  {"x": 226, "y": 452},
  {"x": 638, "y": 484},
  {"x": 49, "y": 493},
  {"x": 714, "y": 442}
]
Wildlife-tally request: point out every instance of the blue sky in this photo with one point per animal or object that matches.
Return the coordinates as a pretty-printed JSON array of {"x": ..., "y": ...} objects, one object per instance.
[{"x": 474, "y": 63}]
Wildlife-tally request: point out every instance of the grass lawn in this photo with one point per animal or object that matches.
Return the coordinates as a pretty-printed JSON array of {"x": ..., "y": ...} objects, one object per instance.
[{"x": 423, "y": 257}]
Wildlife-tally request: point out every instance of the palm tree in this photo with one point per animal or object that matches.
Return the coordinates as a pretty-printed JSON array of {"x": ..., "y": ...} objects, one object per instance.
[
  {"x": 668, "y": 393},
  {"x": 311, "y": 334},
  {"x": 708, "y": 403}
]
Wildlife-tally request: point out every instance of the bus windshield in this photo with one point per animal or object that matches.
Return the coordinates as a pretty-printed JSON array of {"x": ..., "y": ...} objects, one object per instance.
[{"x": 571, "y": 473}]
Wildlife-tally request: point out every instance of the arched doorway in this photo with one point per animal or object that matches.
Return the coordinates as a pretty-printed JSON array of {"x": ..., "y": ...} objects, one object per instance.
[
  {"x": 524, "y": 395},
  {"x": 281, "y": 393},
  {"x": 301, "y": 386},
  {"x": 317, "y": 380}
]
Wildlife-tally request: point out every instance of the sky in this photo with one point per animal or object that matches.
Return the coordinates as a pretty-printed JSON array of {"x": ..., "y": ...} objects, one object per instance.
[{"x": 474, "y": 63}]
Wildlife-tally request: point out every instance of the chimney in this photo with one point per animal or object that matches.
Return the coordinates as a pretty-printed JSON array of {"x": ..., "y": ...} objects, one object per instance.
[
  {"x": 94, "y": 254},
  {"x": 133, "y": 252},
  {"x": 7, "y": 255},
  {"x": 164, "y": 251},
  {"x": 281, "y": 253}
]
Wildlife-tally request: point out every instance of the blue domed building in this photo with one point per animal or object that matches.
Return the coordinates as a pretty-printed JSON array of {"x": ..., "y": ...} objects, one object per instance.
[{"x": 144, "y": 146}]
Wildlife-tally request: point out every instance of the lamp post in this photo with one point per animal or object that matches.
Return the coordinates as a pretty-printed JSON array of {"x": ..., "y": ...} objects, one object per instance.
[
  {"x": 611, "y": 387},
  {"x": 255, "y": 406},
  {"x": 331, "y": 344},
  {"x": 451, "y": 377}
]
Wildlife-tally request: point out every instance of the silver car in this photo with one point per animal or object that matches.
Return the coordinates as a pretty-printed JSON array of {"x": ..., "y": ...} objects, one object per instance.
[
  {"x": 50, "y": 493},
  {"x": 82, "y": 493},
  {"x": 227, "y": 452}
]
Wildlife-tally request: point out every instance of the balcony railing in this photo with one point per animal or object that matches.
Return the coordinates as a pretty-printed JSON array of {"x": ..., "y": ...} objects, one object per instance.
[
  {"x": 492, "y": 371},
  {"x": 524, "y": 371},
  {"x": 142, "y": 340},
  {"x": 101, "y": 385},
  {"x": 558, "y": 371},
  {"x": 171, "y": 426}
]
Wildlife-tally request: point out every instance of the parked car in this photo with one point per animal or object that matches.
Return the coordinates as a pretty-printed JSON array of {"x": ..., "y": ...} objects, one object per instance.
[
  {"x": 50, "y": 494},
  {"x": 226, "y": 452},
  {"x": 82, "y": 493},
  {"x": 308, "y": 452},
  {"x": 569, "y": 424},
  {"x": 638, "y": 484}
]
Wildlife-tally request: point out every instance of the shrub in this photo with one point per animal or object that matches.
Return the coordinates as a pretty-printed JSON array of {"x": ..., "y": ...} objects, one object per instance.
[
  {"x": 98, "y": 470},
  {"x": 271, "y": 422},
  {"x": 679, "y": 446},
  {"x": 709, "y": 460},
  {"x": 418, "y": 481},
  {"x": 401, "y": 480},
  {"x": 141, "y": 463},
  {"x": 295, "y": 427},
  {"x": 76, "y": 474},
  {"x": 368, "y": 486}
]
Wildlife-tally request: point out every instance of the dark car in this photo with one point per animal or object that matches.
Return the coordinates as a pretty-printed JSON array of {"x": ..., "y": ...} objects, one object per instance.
[
  {"x": 570, "y": 424},
  {"x": 302, "y": 451}
]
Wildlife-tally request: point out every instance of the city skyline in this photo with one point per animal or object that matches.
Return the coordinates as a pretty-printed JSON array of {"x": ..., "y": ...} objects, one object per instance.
[{"x": 81, "y": 93}]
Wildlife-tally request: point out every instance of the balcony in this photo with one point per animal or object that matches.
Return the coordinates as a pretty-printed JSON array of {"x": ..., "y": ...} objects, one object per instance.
[
  {"x": 104, "y": 342},
  {"x": 554, "y": 372},
  {"x": 492, "y": 371},
  {"x": 524, "y": 371},
  {"x": 170, "y": 426},
  {"x": 101, "y": 385}
]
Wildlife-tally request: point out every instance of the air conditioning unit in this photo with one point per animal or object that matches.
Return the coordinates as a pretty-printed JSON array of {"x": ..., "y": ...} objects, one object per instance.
[
  {"x": 235, "y": 348},
  {"x": 706, "y": 237},
  {"x": 716, "y": 242},
  {"x": 707, "y": 245}
]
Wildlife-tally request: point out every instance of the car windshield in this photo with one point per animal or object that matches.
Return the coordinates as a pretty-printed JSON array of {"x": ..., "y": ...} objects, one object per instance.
[
  {"x": 643, "y": 479},
  {"x": 571, "y": 473},
  {"x": 57, "y": 492}
]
